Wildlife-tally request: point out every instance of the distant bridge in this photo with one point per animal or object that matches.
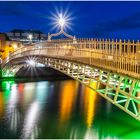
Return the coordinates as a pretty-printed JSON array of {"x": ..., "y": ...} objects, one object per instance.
[{"x": 113, "y": 65}]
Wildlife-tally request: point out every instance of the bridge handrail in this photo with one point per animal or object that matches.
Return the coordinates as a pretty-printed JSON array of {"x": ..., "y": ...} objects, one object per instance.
[{"x": 119, "y": 62}]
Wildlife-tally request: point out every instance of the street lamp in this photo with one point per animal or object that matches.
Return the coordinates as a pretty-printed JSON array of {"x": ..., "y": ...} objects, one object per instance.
[
  {"x": 30, "y": 38},
  {"x": 31, "y": 63},
  {"x": 14, "y": 46},
  {"x": 61, "y": 21}
]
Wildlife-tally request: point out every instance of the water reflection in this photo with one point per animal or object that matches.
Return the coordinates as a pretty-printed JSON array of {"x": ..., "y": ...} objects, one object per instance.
[
  {"x": 67, "y": 100},
  {"x": 12, "y": 114},
  {"x": 60, "y": 109},
  {"x": 29, "y": 93},
  {"x": 30, "y": 125},
  {"x": 6, "y": 87},
  {"x": 1, "y": 105},
  {"x": 90, "y": 97},
  {"x": 42, "y": 91},
  {"x": 91, "y": 134},
  {"x": 21, "y": 91},
  {"x": 31, "y": 120}
]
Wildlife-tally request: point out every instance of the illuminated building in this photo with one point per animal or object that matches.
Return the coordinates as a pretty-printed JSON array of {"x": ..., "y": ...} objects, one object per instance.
[{"x": 7, "y": 46}]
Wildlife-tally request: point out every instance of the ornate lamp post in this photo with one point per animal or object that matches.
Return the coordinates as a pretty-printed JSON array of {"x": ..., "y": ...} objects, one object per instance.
[{"x": 61, "y": 22}]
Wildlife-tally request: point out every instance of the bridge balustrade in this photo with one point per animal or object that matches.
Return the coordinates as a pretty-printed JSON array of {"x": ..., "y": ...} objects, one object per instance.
[{"x": 119, "y": 56}]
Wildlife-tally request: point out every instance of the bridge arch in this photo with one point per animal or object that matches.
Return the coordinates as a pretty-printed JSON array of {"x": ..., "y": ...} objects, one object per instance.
[{"x": 118, "y": 89}]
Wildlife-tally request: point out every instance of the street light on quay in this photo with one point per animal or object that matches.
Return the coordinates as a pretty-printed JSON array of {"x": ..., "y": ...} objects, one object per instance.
[{"x": 30, "y": 37}]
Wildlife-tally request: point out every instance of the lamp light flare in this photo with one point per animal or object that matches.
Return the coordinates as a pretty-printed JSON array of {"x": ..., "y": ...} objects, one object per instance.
[
  {"x": 61, "y": 21},
  {"x": 30, "y": 37},
  {"x": 14, "y": 46},
  {"x": 31, "y": 62}
]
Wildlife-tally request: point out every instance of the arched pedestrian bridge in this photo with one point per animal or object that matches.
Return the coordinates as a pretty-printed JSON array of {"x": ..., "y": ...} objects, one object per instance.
[{"x": 113, "y": 65}]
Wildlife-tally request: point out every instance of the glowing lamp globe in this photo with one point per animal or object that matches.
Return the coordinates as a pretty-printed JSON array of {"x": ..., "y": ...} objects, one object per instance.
[
  {"x": 61, "y": 21},
  {"x": 31, "y": 62},
  {"x": 30, "y": 37}
]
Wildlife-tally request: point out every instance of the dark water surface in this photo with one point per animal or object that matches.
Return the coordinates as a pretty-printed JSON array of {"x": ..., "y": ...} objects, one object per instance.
[{"x": 60, "y": 109}]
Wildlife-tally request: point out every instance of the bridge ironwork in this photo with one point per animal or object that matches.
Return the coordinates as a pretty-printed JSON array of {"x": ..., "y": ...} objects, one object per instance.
[{"x": 113, "y": 65}]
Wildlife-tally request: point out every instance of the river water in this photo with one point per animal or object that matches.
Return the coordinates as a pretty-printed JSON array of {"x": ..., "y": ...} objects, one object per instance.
[{"x": 60, "y": 109}]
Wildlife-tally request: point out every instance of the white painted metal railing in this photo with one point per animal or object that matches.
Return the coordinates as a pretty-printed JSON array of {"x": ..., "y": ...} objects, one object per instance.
[{"x": 114, "y": 60}]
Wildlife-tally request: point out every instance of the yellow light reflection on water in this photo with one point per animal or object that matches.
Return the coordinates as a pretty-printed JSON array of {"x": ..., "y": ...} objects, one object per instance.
[
  {"x": 90, "y": 103},
  {"x": 1, "y": 105},
  {"x": 67, "y": 99}
]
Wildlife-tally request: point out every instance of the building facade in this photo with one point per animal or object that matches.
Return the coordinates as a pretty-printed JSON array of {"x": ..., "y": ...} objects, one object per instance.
[{"x": 7, "y": 46}]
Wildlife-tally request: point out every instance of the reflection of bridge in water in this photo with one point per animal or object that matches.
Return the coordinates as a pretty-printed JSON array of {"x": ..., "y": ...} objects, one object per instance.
[{"x": 113, "y": 65}]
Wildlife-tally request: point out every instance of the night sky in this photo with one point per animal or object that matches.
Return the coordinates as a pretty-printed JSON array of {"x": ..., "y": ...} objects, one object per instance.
[{"x": 89, "y": 19}]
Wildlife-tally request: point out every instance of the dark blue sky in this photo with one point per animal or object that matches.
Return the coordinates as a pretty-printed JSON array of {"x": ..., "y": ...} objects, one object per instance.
[{"x": 90, "y": 19}]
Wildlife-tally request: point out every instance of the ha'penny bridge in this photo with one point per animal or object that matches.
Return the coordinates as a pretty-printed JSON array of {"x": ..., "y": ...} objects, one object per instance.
[{"x": 113, "y": 65}]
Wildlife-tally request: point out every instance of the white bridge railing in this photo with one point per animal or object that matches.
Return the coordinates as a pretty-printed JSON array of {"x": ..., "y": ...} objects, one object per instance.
[{"x": 114, "y": 56}]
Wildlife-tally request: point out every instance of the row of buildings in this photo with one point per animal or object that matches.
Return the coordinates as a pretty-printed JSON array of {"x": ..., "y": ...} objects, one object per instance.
[
  {"x": 16, "y": 38},
  {"x": 26, "y": 36}
]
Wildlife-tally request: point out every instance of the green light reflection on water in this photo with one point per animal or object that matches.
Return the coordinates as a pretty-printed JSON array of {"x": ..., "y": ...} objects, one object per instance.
[
  {"x": 109, "y": 121},
  {"x": 6, "y": 87}
]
